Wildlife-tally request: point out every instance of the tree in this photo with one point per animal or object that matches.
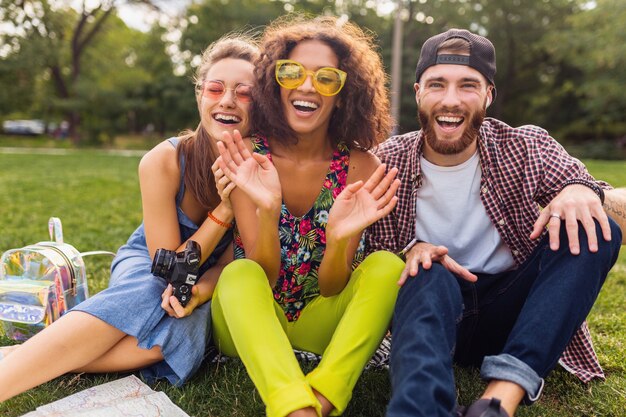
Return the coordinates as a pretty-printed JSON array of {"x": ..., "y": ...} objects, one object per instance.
[
  {"x": 60, "y": 37},
  {"x": 516, "y": 29},
  {"x": 167, "y": 100},
  {"x": 586, "y": 73},
  {"x": 205, "y": 22}
]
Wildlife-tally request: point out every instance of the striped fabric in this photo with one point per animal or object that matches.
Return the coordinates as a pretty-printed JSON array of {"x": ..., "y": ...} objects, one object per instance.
[{"x": 380, "y": 359}]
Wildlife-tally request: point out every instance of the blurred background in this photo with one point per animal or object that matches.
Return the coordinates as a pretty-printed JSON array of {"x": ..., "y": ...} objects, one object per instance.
[{"x": 119, "y": 73}]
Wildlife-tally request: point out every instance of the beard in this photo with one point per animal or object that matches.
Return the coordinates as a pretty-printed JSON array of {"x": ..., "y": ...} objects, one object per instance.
[{"x": 447, "y": 147}]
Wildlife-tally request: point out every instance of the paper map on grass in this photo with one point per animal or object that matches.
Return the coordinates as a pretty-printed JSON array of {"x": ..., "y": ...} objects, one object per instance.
[{"x": 120, "y": 398}]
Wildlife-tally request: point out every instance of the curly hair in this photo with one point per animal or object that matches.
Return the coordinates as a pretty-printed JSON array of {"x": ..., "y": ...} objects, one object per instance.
[
  {"x": 363, "y": 118},
  {"x": 196, "y": 146}
]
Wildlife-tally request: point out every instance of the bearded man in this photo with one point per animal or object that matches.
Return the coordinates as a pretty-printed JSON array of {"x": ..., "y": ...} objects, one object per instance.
[{"x": 490, "y": 279}]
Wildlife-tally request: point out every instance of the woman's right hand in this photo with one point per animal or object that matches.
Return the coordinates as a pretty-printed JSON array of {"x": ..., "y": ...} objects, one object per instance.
[
  {"x": 172, "y": 306},
  {"x": 253, "y": 173}
]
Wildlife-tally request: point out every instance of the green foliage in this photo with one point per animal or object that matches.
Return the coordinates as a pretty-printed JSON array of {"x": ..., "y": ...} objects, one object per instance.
[
  {"x": 211, "y": 19},
  {"x": 97, "y": 197},
  {"x": 588, "y": 59},
  {"x": 598, "y": 149},
  {"x": 167, "y": 100},
  {"x": 560, "y": 62},
  {"x": 81, "y": 66},
  {"x": 24, "y": 57}
]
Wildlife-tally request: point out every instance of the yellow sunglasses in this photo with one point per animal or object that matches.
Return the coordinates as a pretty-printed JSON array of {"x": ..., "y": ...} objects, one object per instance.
[{"x": 327, "y": 81}]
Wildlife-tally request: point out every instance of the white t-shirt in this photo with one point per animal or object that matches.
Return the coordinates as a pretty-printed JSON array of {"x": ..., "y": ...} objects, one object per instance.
[{"x": 450, "y": 213}]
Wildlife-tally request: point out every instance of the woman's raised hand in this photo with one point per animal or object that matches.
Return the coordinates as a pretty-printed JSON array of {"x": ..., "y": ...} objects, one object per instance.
[
  {"x": 252, "y": 173},
  {"x": 361, "y": 204}
]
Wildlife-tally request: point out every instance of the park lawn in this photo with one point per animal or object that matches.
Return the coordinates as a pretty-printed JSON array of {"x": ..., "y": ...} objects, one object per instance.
[{"x": 96, "y": 195}]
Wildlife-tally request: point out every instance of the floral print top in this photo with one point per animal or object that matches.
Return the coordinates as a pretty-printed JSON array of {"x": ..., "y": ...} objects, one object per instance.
[{"x": 303, "y": 239}]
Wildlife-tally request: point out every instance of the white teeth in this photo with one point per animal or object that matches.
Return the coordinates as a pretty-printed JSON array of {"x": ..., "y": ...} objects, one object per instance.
[
  {"x": 227, "y": 118},
  {"x": 449, "y": 119},
  {"x": 302, "y": 103}
]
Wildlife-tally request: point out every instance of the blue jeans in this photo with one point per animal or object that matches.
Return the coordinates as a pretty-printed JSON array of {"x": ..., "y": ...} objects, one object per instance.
[{"x": 516, "y": 323}]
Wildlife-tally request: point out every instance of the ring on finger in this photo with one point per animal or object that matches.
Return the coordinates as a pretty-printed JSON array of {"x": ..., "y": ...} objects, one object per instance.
[{"x": 555, "y": 215}]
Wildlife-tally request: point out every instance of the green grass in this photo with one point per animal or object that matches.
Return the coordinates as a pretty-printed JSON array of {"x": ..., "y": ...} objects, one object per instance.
[
  {"x": 131, "y": 141},
  {"x": 96, "y": 196}
]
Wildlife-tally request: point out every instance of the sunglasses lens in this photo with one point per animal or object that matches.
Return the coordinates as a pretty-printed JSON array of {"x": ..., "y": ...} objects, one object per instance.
[
  {"x": 244, "y": 93},
  {"x": 328, "y": 81},
  {"x": 290, "y": 75},
  {"x": 214, "y": 89}
]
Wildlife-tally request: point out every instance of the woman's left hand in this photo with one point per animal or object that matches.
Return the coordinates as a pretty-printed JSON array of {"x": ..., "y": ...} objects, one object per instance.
[
  {"x": 252, "y": 173},
  {"x": 361, "y": 204},
  {"x": 223, "y": 184}
]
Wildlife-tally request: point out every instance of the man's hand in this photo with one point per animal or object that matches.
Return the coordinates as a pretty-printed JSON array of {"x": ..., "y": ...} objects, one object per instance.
[
  {"x": 575, "y": 203},
  {"x": 425, "y": 254}
]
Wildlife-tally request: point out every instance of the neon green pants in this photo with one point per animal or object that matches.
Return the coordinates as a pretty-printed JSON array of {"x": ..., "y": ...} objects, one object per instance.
[{"x": 345, "y": 329}]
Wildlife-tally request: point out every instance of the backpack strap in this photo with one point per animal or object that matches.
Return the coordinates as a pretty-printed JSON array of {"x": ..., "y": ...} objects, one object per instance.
[
  {"x": 55, "y": 229},
  {"x": 95, "y": 252},
  {"x": 56, "y": 234}
]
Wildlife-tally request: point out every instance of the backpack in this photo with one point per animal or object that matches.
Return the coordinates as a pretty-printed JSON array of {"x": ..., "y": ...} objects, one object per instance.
[{"x": 39, "y": 283}]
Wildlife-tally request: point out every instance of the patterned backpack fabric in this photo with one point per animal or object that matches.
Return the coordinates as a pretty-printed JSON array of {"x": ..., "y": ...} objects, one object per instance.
[{"x": 39, "y": 283}]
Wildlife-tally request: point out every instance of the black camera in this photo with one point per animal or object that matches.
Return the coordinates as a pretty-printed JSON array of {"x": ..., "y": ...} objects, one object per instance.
[{"x": 179, "y": 269}]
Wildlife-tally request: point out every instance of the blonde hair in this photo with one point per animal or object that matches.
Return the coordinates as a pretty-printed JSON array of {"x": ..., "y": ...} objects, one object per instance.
[{"x": 235, "y": 46}]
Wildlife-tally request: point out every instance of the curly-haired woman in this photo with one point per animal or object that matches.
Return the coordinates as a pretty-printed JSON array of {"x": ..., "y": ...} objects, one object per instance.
[{"x": 307, "y": 187}]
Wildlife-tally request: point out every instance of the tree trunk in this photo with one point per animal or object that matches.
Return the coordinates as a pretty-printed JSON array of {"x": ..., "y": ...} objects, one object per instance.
[{"x": 73, "y": 118}]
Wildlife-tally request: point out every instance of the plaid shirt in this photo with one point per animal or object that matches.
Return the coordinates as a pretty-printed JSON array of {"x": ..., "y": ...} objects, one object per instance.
[{"x": 522, "y": 168}]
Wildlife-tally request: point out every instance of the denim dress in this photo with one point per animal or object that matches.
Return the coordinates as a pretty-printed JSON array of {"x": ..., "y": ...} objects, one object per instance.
[{"x": 132, "y": 303}]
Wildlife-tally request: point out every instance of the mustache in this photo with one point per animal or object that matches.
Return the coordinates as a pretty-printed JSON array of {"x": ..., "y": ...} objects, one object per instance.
[
  {"x": 453, "y": 111},
  {"x": 427, "y": 118}
]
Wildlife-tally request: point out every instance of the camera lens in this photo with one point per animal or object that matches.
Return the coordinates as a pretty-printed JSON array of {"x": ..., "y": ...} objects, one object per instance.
[{"x": 162, "y": 262}]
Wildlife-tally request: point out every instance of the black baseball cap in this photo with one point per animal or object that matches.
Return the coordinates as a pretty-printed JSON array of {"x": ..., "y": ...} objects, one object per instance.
[{"x": 482, "y": 55}]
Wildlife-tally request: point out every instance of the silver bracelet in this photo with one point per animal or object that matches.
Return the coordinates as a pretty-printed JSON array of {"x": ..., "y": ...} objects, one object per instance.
[{"x": 408, "y": 247}]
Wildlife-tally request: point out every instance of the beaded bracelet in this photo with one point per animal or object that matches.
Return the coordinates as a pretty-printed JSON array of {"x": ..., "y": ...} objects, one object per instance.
[
  {"x": 594, "y": 187},
  {"x": 218, "y": 221}
]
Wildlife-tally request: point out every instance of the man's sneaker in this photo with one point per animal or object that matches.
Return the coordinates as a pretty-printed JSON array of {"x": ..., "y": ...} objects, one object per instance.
[{"x": 486, "y": 408}]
